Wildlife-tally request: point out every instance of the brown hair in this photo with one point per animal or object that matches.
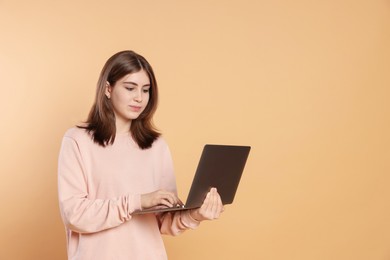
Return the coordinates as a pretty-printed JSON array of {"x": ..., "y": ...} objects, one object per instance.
[{"x": 101, "y": 118}]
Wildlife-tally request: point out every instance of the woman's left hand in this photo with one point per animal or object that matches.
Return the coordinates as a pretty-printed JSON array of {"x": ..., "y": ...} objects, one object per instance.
[{"x": 211, "y": 208}]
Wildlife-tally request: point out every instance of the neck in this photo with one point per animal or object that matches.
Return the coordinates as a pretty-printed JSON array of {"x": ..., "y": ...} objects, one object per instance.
[{"x": 122, "y": 127}]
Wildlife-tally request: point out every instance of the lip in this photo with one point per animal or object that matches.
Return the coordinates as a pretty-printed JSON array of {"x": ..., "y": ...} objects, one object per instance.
[{"x": 135, "y": 108}]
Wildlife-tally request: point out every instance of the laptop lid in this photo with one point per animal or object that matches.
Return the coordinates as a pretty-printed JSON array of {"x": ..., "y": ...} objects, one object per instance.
[{"x": 220, "y": 166}]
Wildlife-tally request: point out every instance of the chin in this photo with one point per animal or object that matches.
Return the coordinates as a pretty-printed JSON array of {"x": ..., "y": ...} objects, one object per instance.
[{"x": 133, "y": 117}]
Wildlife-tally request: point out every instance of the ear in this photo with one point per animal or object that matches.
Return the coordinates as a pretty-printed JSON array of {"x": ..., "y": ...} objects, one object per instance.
[{"x": 108, "y": 90}]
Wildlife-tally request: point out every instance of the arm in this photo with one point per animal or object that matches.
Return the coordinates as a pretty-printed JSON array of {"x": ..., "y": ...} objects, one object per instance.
[
  {"x": 177, "y": 222},
  {"x": 174, "y": 223},
  {"x": 78, "y": 212}
]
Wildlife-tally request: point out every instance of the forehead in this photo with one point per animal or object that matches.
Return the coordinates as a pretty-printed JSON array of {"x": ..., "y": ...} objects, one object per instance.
[{"x": 139, "y": 78}]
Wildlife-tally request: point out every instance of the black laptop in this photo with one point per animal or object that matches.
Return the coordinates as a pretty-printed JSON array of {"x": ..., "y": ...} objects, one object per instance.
[{"x": 220, "y": 166}]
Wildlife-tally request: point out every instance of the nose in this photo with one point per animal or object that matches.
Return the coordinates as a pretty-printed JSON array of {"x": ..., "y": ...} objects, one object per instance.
[{"x": 138, "y": 96}]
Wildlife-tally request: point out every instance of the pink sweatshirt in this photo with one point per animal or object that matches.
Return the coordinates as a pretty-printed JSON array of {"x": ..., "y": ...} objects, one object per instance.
[{"x": 100, "y": 187}]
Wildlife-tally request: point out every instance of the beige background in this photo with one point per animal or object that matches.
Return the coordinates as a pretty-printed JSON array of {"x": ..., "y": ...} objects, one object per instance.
[{"x": 305, "y": 83}]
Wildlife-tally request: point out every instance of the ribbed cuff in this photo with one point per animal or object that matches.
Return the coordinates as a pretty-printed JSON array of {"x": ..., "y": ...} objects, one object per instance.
[
  {"x": 188, "y": 220},
  {"x": 134, "y": 203}
]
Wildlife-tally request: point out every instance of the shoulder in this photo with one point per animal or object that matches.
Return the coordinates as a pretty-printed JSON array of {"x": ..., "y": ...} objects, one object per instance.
[
  {"x": 160, "y": 145},
  {"x": 78, "y": 134},
  {"x": 160, "y": 142}
]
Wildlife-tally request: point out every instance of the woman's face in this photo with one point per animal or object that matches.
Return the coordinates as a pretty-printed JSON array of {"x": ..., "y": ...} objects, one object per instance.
[{"x": 129, "y": 96}]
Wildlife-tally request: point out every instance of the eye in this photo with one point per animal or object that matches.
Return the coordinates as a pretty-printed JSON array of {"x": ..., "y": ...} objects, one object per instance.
[
  {"x": 146, "y": 90},
  {"x": 129, "y": 88}
]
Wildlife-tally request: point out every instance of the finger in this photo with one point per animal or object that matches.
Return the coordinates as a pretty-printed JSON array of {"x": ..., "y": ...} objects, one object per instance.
[
  {"x": 215, "y": 205},
  {"x": 180, "y": 202},
  {"x": 220, "y": 205},
  {"x": 176, "y": 200},
  {"x": 164, "y": 202},
  {"x": 206, "y": 203},
  {"x": 160, "y": 206},
  {"x": 168, "y": 197},
  {"x": 172, "y": 199},
  {"x": 163, "y": 199},
  {"x": 211, "y": 205}
]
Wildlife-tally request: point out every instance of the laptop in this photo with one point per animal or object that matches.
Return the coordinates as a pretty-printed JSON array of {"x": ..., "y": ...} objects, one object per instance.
[{"x": 220, "y": 166}]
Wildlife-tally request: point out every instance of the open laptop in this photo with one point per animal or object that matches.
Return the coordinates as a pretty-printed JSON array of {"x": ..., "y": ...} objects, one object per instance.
[{"x": 220, "y": 166}]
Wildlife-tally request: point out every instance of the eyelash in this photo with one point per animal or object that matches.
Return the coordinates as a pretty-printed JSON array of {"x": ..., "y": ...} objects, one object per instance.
[{"x": 144, "y": 90}]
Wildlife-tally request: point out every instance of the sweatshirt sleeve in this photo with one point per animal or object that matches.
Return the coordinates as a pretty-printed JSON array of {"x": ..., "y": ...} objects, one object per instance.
[
  {"x": 79, "y": 213},
  {"x": 173, "y": 223}
]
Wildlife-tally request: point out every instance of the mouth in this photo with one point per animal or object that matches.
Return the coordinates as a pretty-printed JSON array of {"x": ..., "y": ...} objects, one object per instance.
[{"x": 135, "y": 108}]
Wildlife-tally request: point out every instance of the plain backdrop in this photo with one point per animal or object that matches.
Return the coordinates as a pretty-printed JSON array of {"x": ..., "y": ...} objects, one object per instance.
[{"x": 305, "y": 83}]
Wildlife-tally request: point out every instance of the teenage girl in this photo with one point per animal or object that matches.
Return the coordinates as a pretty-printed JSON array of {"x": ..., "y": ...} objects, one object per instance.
[{"x": 116, "y": 163}]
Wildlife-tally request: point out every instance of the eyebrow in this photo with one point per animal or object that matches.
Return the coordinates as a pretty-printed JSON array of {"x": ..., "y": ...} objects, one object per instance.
[{"x": 135, "y": 84}]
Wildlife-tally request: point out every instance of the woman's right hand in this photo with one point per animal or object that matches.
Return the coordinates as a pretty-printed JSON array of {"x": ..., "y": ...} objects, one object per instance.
[{"x": 160, "y": 198}]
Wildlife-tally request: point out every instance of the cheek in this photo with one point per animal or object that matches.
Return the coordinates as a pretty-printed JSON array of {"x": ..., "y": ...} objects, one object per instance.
[
  {"x": 123, "y": 98},
  {"x": 146, "y": 103},
  {"x": 119, "y": 101},
  {"x": 146, "y": 99}
]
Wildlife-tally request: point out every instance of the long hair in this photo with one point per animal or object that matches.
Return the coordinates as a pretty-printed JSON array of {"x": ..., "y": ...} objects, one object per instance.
[{"x": 101, "y": 118}]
